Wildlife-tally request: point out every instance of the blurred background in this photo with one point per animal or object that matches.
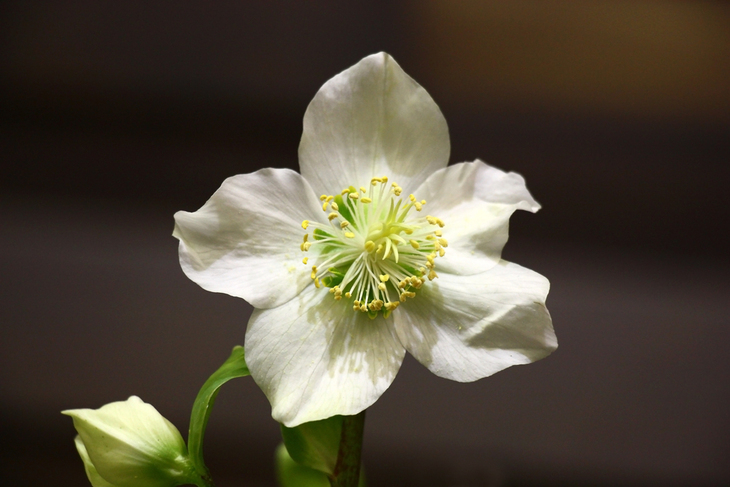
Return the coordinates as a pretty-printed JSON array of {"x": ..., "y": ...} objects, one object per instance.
[{"x": 114, "y": 115}]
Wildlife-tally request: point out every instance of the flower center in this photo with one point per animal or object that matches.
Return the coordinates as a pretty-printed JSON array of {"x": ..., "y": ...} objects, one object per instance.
[{"x": 374, "y": 249}]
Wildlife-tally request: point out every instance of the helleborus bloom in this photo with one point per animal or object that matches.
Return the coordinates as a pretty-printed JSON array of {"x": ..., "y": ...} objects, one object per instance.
[
  {"x": 400, "y": 252},
  {"x": 129, "y": 443}
]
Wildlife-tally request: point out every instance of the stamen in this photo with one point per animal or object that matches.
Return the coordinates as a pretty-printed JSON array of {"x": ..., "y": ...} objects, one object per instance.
[{"x": 383, "y": 252}]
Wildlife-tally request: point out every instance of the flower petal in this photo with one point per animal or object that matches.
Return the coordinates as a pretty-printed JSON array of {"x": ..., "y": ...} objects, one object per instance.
[
  {"x": 468, "y": 327},
  {"x": 95, "y": 479},
  {"x": 315, "y": 357},
  {"x": 475, "y": 201},
  {"x": 245, "y": 241},
  {"x": 372, "y": 120}
]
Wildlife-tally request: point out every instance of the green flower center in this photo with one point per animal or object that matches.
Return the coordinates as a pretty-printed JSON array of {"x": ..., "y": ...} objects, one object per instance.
[{"x": 375, "y": 250}]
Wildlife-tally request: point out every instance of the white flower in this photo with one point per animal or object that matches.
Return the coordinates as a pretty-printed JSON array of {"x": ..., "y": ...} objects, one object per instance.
[
  {"x": 129, "y": 443},
  {"x": 398, "y": 253}
]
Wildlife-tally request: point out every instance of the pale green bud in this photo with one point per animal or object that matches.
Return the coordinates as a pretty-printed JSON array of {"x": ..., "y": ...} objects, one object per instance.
[{"x": 129, "y": 444}]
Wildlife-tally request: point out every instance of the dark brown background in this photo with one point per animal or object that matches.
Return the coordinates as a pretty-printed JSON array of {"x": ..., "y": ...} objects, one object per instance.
[{"x": 113, "y": 115}]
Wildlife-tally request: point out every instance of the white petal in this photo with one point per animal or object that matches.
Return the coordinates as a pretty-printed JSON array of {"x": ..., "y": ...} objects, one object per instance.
[
  {"x": 475, "y": 201},
  {"x": 245, "y": 241},
  {"x": 95, "y": 479},
  {"x": 468, "y": 327},
  {"x": 315, "y": 357},
  {"x": 372, "y": 120}
]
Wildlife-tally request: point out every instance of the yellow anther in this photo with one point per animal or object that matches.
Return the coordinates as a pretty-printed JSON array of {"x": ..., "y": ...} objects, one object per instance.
[
  {"x": 305, "y": 224},
  {"x": 422, "y": 270},
  {"x": 332, "y": 216},
  {"x": 423, "y": 202},
  {"x": 429, "y": 237},
  {"x": 348, "y": 294},
  {"x": 412, "y": 198},
  {"x": 330, "y": 198},
  {"x": 384, "y": 179},
  {"x": 354, "y": 196},
  {"x": 316, "y": 283},
  {"x": 324, "y": 206},
  {"x": 305, "y": 260},
  {"x": 442, "y": 252},
  {"x": 323, "y": 197},
  {"x": 345, "y": 191},
  {"x": 369, "y": 246},
  {"x": 391, "y": 306},
  {"x": 313, "y": 275},
  {"x": 431, "y": 219},
  {"x": 407, "y": 294},
  {"x": 305, "y": 246},
  {"x": 408, "y": 231},
  {"x": 344, "y": 224},
  {"x": 432, "y": 275},
  {"x": 419, "y": 206},
  {"x": 402, "y": 283},
  {"x": 349, "y": 235},
  {"x": 414, "y": 244},
  {"x": 375, "y": 305},
  {"x": 379, "y": 249},
  {"x": 384, "y": 277},
  {"x": 443, "y": 242},
  {"x": 438, "y": 233},
  {"x": 334, "y": 206},
  {"x": 306, "y": 237},
  {"x": 397, "y": 190},
  {"x": 381, "y": 286},
  {"x": 362, "y": 188},
  {"x": 365, "y": 199}
]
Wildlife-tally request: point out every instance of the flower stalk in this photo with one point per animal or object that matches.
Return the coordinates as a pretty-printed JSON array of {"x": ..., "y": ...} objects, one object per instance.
[{"x": 347, "y": 468}]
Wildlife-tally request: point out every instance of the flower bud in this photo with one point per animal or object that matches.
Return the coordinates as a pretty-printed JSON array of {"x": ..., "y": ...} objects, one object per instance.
[{"x": 128, "y": 443}]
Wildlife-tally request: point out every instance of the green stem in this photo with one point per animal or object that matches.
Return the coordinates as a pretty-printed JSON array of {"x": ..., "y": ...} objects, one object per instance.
[
  {"x": 347, "y": 468},
  {"x": 205, "y": 481}
]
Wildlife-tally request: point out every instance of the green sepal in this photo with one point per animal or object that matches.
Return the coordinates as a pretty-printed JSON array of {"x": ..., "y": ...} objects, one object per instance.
[
  {"x": 234, "y": 366},
  {"x": 314, "y": 444},
  {"x": 291, "y": 474}
]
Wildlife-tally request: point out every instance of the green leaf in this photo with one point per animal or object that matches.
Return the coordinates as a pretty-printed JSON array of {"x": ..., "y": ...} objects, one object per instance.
[
  {"x": 315, "y": 444},
  {"x": 291, "y": 474},
  {"x": 234, "y": 366}
]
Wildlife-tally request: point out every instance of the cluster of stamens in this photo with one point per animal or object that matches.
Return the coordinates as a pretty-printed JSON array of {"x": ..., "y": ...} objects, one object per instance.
[{"x": 373, "y": 249}]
